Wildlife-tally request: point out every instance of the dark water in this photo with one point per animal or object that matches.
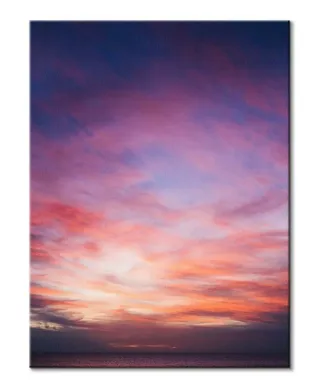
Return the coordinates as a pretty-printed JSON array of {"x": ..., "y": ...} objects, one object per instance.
[{"x": 158, "y": 361}]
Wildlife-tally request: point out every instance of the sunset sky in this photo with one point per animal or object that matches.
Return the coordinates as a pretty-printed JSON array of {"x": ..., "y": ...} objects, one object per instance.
[{"x": 159, "y": 187}]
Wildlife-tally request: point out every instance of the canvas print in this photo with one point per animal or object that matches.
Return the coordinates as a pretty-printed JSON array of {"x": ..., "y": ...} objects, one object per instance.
[{"x": 159, "y": 225}]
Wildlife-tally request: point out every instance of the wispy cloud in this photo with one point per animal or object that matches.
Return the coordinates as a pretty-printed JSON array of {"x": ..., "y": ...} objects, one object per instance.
[{"x": 159, "y": 186}]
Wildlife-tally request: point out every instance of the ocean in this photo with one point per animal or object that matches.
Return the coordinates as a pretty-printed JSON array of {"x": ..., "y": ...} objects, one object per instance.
[{"x": 159, "y": 361}]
